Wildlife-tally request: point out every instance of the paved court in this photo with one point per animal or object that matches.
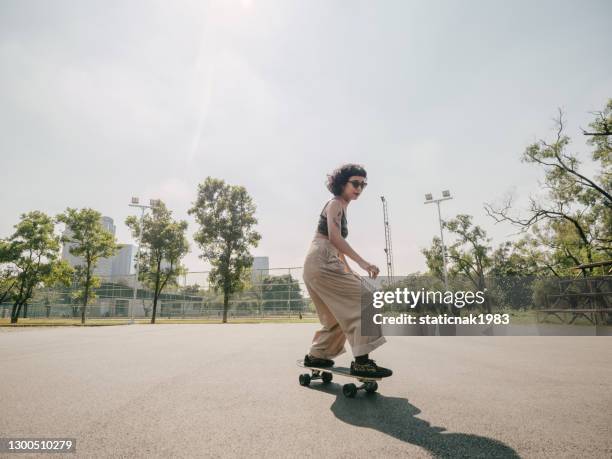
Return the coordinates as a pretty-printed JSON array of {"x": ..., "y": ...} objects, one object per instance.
[{"x": 232, "y": 391}]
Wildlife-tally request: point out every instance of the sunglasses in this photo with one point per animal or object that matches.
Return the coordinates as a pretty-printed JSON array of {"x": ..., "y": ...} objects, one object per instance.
[{"x": 358, "y": 184}]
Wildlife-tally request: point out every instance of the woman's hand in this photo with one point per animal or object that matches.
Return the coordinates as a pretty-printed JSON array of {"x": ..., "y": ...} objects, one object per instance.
[{"x": 371, "y": 269}]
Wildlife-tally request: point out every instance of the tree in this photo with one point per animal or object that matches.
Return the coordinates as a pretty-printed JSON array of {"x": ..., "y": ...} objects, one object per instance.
[
  {"x": 31, "y": 254},
  {"x": 8, "y": 278},
  {"x": 162, "y": 246},
  {"x": 535, "y": 254},
  {"x": 468, "y": 256},
  {"x": 435, "y": 258},
  {"x": 428, "y": 282},
  {"x": 226, "y": 215},
  {"x": 193, "y": 290},
  {"x": 470, "y": 253},
  {"x": 281, "y": 292},
  {"x": 577, "y": 209},
  {"x": 88, "y": 239}
]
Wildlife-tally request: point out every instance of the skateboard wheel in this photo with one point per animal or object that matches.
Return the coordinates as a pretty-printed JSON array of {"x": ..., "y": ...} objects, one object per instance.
[
  {"x": 327, "y": 377},
  {"x": 304, "y": 379},
  {"x": 371, "y": 387},
  {"x": 349, "y": 390}
]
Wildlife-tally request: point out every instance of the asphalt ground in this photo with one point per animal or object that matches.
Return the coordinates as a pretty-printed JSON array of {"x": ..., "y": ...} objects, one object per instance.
[{"x": 232, "y": 391}]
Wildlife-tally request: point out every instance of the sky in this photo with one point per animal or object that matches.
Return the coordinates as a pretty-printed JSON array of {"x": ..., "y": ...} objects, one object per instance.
[{"x": 104, "y": 100}]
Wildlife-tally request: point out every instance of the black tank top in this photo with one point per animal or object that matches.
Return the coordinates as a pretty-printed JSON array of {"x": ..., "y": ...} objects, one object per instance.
[{"x": 322, "y": 227}]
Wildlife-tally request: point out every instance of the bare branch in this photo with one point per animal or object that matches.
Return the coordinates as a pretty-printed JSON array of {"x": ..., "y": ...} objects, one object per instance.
[{"x": 596, "y": 133}]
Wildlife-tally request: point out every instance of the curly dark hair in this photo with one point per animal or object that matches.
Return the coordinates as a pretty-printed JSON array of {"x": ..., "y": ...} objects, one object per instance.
[{"x": 339, "y": 177}]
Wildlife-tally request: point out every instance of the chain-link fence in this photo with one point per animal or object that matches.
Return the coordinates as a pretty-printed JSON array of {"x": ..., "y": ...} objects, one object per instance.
[
  {"x": 275, "y": 292},
  {"x": 280, "y": 292}
]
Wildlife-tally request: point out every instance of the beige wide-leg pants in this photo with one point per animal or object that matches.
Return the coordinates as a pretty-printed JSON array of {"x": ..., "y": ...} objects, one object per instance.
[{"x": 337, "y": 296}]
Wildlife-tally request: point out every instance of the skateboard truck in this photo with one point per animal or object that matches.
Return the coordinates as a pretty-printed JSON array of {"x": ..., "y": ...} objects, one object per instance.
[{"x": 349, "y": 390}]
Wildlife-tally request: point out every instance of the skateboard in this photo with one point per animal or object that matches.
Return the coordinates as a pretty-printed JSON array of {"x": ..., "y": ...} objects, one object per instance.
[{"x": 370, "y": 385}]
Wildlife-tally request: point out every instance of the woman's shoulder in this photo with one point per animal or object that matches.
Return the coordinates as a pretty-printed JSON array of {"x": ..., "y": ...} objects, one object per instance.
[{"x": 334, "y": 206}]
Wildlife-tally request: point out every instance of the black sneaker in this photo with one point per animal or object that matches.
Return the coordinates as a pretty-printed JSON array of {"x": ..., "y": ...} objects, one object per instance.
[
  {"x": 310, "y": 361},
  {"x": 369, "y": 369}
]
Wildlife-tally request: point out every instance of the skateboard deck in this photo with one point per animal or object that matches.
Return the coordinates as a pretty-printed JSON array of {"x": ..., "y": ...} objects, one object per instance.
[{"x": 369, "y": 384}]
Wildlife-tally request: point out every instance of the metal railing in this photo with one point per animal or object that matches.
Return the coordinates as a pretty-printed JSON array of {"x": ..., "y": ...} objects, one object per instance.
[
  {"x": 275, "y": 292},
  {"x": 270, "y": 293}
]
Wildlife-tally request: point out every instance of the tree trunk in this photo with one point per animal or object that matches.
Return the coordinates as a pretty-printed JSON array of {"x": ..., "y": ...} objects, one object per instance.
[
  {"x": 86, "y": 295},
  {"x": 18, "y": 311},
  {"x": 156, "y": 292},
  {"x": 18, "y": 302},
  {"x": 155, "y": 297},
  {"x": 482, "y": 287},
  {"x": 225, "y": 304},
  {"x": 14, "y": 314},
  {"x": 154, "y": 309}
]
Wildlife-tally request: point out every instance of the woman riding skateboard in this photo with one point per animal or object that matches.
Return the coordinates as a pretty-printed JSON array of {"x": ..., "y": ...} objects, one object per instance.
[{"x": 334, "y": 288}]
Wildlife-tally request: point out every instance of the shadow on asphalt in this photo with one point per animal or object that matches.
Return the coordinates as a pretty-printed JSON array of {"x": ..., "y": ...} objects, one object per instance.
[{"x": 396, "y": 417}]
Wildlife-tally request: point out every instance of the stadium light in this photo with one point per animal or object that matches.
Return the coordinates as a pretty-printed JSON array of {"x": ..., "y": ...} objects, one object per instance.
[
  {"x": 142, "y": 207},
  {"x": 429, "y": 200}
]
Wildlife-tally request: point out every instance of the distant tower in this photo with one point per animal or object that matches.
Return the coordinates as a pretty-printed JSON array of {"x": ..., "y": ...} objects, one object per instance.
[
  {"x": 388, "y": 247},
  {"x": 260, "y": 269},
  {"x": 108, "y": 225}
]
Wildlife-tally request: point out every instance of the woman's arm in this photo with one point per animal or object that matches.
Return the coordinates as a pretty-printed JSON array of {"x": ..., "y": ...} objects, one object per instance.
[
  {"x": 343, "y": 258},
  {"x": 334, "y": 222}
]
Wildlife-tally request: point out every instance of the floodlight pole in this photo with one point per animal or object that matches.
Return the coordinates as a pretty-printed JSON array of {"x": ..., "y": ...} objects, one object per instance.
[
  {"x": 430, "y": 200},
  {"x": 142, "y": 207}
]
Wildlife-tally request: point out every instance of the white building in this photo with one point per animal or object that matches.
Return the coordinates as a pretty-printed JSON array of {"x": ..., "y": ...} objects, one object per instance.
[
  {"x": 261, "y": 269},
  {"x": 108, "y": 225},
  {"x": 124, "y": 260}
]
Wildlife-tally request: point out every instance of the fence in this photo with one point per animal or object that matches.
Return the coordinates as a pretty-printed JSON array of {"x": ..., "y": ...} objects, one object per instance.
[
  {"x": 280, "y": 292},
  {"x": 276, "y": 292}
]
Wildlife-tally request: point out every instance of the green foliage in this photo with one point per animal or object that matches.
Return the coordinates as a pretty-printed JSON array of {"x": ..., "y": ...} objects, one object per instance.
[
  {"x": 572, "y": 225},
  {"x": 8, "y": 274},
  {"x": 279, "y": 292},
  {"x": 80, "y": 280},
  {"x": 434, "y": 258},
  {"x": 469, "y": 255},
  {"x": 30, "y": 257},
  {"x": 542, "y": 287},
  {"x": 428, "y": 282},
  {"x": 602, "y": 152},
  {"x": 162, "y": 246},
  {"x": 512, "y": 291},
  {"x": 226, "y": 215},
  {"x": 61, "y": 275},
  {"x": 194, "y": 289},
  {"x": 89, "y": 240},
  {"x": 506, "y": 262},
  {"x": 530, "y": 258}
]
